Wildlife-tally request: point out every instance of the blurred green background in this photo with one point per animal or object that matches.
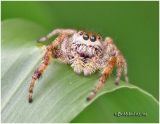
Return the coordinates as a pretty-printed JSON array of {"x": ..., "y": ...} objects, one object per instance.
[{"x": 133, "y": 26}]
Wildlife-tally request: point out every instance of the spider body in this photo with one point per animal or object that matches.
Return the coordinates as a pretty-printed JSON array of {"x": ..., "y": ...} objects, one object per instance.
[
  {"x": 86, "y": 52},
  {"x": 83, "y": 53}
]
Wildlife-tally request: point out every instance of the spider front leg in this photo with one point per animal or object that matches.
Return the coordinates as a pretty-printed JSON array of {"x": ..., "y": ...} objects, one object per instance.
[
  {"x": 45, "y": 62},
  {"x": 105, "y": 74},
  {"x": 55, "y": 32}
]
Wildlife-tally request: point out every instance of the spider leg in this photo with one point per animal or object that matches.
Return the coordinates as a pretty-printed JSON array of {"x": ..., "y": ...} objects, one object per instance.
[
  {"x": 45, "y": 62},
  {"x": 125, "y": 72},
  {"x": 105, "y": 74},
  {"x": 120, "y": 62},
  {"x": 55, "y": 32},
  {"x": 121, "y": 67}
]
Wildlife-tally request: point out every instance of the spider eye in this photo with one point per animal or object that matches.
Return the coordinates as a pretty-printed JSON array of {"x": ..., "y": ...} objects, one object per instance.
[
  {"x": 85, "y": 37},
  {"x": 99, "y": 38},
  {"x": 93, "y": 38},
  {"x": 81, "y": 33}
]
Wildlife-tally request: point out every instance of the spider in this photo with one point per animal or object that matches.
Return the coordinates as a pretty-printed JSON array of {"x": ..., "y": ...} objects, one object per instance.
[{"x": 86, "y": 52}]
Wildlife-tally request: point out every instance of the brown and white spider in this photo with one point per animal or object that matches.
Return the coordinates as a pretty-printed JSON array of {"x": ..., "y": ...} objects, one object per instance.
[{"x": 86, "y": 52}]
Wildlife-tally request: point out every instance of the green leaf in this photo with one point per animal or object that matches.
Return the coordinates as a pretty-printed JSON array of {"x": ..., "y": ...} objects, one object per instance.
[
  {"x": 60, "y": 95},
  {"x": 120, "y": 102}
]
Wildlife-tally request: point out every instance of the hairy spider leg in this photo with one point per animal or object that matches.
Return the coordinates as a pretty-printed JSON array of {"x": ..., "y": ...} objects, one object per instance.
[
  {"x": 45, "y": 62},
  {"x": 125, "y": 72},
  {"x": 55, "y": 32},
  {"x": 121, "y": 67},
  {"x": 105, "y": 74},
  {"x": 120, "y": 62}
]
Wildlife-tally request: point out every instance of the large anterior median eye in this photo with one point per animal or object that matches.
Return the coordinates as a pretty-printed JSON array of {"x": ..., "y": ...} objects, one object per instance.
[
  {"x": 85, "y": 37},
  {"x": 99, "y": 37},
  {"x": 93, "y": 38}
]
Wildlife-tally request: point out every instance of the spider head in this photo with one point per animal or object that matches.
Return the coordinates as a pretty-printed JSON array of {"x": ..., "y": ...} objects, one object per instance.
[
  {"x": 87, "y": 38},
  {"x": 88, "y": 44}
]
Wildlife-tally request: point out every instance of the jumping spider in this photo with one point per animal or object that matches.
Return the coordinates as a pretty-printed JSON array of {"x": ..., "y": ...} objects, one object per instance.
[{"x": 86, "y": 52}]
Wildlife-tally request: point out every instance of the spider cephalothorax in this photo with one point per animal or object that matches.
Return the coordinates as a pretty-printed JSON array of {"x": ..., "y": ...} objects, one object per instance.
[
  {"x": 86, "y": 52},
  {"x": 87, "y": 45}
]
